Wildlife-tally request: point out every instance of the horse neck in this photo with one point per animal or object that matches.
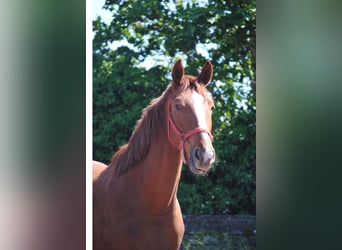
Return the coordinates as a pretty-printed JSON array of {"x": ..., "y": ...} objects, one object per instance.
[{"x": 162, "y": 171}]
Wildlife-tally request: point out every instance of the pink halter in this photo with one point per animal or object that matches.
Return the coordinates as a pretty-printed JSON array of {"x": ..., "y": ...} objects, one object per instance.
[{"x": 182, "y": 135}]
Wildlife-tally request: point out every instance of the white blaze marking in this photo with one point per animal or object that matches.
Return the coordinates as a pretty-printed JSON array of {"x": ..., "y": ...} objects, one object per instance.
[{"x": 199, "y": 112}]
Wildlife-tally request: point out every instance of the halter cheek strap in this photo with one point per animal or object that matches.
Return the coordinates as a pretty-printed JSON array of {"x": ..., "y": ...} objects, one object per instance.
[{"x": 183, "y": 136}]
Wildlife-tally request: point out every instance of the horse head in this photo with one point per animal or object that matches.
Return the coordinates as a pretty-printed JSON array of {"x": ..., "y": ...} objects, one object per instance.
[{"x": 189, "y": 121}]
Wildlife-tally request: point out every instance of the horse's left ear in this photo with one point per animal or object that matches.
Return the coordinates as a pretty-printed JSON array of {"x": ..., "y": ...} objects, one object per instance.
[
  {"x": 206, "y": 74},
  {"x": 177, "y": 73}
]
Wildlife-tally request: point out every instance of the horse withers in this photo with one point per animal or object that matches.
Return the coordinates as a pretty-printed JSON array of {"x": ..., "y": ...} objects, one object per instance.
[{"x": 135, "y": 202}]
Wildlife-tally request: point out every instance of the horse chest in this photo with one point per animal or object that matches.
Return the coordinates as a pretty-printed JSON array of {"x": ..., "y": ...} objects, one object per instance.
[{"x": 130, "y": 225}]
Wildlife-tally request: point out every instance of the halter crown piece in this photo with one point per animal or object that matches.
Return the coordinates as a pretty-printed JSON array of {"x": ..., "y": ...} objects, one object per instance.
[{"x": 183, "y": 136}]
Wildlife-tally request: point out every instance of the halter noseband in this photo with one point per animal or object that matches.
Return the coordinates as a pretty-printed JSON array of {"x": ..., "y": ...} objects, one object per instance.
[{"x": 181, "y": 134}]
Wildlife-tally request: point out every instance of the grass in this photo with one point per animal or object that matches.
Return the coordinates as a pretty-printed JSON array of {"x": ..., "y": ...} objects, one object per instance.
[{"x": 216, "y": 241}]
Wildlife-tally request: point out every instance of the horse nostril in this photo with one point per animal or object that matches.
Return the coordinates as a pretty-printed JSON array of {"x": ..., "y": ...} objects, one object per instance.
[
  {"x": 197, "y": 154},
  {"x": 211, "y": 158},
  {"x": 204, "y": 156}
]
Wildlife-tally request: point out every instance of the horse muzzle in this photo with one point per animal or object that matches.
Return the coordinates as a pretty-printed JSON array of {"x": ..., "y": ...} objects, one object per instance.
[{"x": 201, "y": 159}]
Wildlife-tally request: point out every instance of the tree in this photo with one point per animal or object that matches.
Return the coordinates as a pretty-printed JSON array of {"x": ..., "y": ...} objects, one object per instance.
[{"x": 157, "y": 33}]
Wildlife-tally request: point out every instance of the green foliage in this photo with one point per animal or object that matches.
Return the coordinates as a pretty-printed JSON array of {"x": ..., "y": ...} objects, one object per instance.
[
  {"x": 214, "y": 240},
  {"x": 165, "y": 31}
]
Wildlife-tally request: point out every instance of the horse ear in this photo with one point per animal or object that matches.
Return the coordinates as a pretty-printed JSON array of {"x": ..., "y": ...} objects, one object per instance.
[
  {"x": 206, "y": 74},
  {"x": 177, "y": 73}
]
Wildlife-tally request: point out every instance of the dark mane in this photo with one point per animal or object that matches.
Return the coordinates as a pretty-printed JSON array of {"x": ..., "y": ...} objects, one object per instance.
[{"x": 152, "y": 119}]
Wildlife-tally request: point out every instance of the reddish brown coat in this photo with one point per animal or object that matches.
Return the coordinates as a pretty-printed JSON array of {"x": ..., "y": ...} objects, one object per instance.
[{"x": 135, "y": 202}]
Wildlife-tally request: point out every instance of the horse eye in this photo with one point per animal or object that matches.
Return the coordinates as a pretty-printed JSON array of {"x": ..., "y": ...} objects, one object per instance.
[{"x": 178, "y": 107}]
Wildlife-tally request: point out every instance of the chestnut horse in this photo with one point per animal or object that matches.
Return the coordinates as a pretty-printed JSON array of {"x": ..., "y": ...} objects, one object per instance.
[{"x": 135, "y": 202}]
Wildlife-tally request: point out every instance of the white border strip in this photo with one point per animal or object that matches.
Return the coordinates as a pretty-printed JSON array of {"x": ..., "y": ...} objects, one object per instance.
[{"x": 89, "y": 126}]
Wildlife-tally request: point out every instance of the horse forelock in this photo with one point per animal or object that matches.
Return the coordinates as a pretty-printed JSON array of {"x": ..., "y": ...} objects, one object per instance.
[{"x": 189, "y": 81}]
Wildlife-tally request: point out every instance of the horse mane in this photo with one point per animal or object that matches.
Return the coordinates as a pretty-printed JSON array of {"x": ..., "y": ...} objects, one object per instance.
[{"x": 152, "y": 119}]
